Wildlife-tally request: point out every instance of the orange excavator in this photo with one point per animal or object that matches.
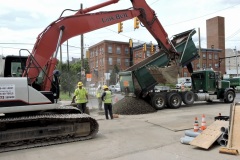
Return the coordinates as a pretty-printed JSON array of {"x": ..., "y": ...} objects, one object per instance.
[{"x": 30, "y": 113}]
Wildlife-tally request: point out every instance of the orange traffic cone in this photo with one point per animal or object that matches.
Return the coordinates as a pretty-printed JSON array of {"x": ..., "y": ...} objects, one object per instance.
[
  {"x": 203, "y": 126},
  {"x": 196, "y": 127},
  {"x": 116, "y": 99}
]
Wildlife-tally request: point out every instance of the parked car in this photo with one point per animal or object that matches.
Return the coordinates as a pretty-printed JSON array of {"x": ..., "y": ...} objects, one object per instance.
[
  {"x": 185, "y": 84},
  {"x": 161, "y": 88},
  {"x": 114, "y": 88}
]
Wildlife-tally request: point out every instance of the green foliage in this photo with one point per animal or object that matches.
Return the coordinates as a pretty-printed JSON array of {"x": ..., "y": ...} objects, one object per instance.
[
  {"x": 113, "y": 75},
  {"x": 65, "y": 96},
  {"x": 71, "y": 74}
]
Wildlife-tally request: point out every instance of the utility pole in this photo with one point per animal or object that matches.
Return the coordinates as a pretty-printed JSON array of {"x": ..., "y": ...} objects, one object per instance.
[
  {"x": 82, "y": 64},
  {"x": 61, "y": 58},
  {"x": 199, "y": 49},
  {"x": 235, "y": 51},
  {"x": 68, "y": 68}
]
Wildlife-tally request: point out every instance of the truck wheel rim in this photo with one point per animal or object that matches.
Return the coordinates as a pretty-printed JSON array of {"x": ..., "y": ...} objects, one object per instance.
[
  {"x": 230, "y": 97},
  {"x": 159, "y": 102},
  {"x": 175, "y": 101}
]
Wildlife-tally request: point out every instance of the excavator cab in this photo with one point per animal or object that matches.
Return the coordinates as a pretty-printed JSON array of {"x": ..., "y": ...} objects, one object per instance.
[{"x": 14, "y": 67}]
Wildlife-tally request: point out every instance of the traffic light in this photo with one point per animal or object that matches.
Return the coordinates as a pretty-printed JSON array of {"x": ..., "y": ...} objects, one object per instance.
[
  {"x": 144, "y": 47},
  {"x": 120, "y": 27},
  {"x": 130, "y": 43},
  {"x": 152, "y": 48},
  {"x": 136, "y": 23},
  {"x": 87, "y": 54}
]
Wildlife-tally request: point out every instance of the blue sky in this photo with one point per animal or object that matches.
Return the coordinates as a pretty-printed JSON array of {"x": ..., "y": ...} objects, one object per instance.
[{"x": 22, "y": 21}]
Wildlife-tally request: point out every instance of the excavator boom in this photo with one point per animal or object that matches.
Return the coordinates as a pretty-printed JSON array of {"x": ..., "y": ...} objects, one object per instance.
[{"x": 83, "y": 22}]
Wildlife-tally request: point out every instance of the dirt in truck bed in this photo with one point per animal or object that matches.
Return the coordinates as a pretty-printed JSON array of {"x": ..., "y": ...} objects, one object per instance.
[{"x": 132, "y": 106}]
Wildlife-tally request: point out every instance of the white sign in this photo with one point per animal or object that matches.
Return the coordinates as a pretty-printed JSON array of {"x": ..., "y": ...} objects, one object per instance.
[
  {"x": 7, "y": 91},
  {"x": 89, "y": 79},
  {"x": 107, "y": 76}
]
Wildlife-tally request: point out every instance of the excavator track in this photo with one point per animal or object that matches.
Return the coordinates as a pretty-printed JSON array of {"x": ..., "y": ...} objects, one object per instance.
[{"x": 45, "y": 129}]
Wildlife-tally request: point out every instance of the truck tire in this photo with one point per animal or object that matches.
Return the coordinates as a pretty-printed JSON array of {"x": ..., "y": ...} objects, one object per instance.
[
  {"x": 229, "y": 97},
  {"x": 188, "y": 97},
  {"x": 159, "y": 101},
  {"x": 174, "y": 100}
]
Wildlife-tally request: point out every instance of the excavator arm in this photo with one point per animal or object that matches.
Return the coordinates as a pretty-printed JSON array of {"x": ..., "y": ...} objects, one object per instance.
[{"x": 45, "y": 49}]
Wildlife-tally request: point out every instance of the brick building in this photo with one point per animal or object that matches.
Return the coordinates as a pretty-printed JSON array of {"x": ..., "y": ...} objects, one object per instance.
[
  {"x": 139, "y": 54},
  {"x": 216, "y": 38},
  {"x": 209, "y": 59},
  {"x": 103, "y": 56},
  {"x": 212, "y": 56}
]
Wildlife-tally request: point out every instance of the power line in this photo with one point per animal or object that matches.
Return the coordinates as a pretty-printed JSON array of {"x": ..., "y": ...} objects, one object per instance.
[{"x": 203, "y": 15}]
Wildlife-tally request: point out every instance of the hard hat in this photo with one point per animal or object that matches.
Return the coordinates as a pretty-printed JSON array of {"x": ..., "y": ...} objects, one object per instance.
[
  {"x": 80, "y": 84},
  {"x": 105, "y": 87}
]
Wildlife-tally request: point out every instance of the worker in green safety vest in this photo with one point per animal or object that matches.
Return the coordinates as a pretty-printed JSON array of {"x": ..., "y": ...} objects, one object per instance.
[
  {"x": 99, "y": 97},
  {"x": 107, "y": 99},
  {"x": 81, "y": 96}
]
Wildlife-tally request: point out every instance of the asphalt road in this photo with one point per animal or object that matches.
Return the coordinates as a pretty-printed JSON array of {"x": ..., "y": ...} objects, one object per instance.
[{"x": 148, "y": 136}]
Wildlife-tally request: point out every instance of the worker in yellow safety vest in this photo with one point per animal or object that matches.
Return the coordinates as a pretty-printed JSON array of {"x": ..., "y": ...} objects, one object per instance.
[
  {"x": 99, "y": 97},
  {"x": 81, "y": 96},
  {"x": 107, "y": 99}
]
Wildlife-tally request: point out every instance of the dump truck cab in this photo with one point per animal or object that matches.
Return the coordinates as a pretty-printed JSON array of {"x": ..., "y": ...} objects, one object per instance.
[
  {"x": 207, "y": 86},
  {"x": 205, "y": 80}
]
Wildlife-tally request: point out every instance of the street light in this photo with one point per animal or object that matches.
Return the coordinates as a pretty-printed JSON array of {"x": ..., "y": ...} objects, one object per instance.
[{"x": 234, "y": 51}]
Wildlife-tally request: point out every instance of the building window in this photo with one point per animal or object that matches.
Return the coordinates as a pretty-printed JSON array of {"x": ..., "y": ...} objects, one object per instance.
[
  {"x": 103, "y": 61},
  {"x": 97, "y": 52},
  {"x": 97, "y": 63},
  {"x": 109, "y": 49},
  {"x": 210, "y": 56},
  {"x": 198, "y": 66},
  {"x": 136, "y": 55},
  {"x": 118, "y": 61},
  {"x": 204, "y": 65},
  {"x": 148, "y": 54},
  {"x": 127, "y": 62},
  {"x": 185, "y": 74},
  {"x": 110, "y": 61},
  {"x": 204, "y": 55},
  {"x": 126, "y": 50},
  {"x": 215, "y": 56},
  {"x": 140, "y": 55},
  {"x": 118, "y": 50},
  {"x": 210, "y": 65},
  {"x": 216, "y": 65}
]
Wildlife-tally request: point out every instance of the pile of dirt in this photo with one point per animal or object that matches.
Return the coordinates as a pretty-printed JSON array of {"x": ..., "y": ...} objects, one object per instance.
[{"x": 132, "y": 106}]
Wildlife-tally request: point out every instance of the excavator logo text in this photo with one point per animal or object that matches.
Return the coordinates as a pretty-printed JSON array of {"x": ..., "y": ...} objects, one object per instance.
[{"x": 112, "y": 18}]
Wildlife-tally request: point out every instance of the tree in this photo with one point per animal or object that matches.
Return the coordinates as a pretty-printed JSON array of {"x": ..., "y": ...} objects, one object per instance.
[
  {"x": 114, "y": 75},
  {"x": 71, "y": 74}
]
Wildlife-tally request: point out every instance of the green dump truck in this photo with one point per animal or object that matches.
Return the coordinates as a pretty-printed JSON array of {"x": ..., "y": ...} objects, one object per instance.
[{"x": 139, "y": 80}]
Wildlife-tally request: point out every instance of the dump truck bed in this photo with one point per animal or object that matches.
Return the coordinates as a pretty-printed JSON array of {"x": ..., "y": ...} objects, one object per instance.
[{"x": 140, "y": 78}]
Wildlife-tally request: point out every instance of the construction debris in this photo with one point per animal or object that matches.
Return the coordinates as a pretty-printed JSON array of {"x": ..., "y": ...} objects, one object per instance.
[
  {"x": 233, "y": 145},
  {"x": 209, "y": 135},
  {"x": 132, "y": 106}
]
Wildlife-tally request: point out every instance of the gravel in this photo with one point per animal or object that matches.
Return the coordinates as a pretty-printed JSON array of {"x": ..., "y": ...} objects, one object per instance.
[{"x": 132, "y": 106}]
